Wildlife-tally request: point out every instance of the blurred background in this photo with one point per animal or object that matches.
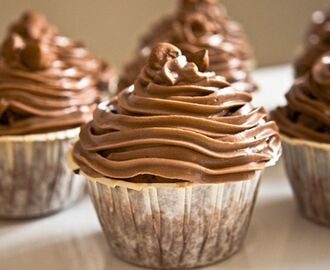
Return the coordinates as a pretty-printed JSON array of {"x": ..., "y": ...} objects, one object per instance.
[{"x": 111, "y": 28}]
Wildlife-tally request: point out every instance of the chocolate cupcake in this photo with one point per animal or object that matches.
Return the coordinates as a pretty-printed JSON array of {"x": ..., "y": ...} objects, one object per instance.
[
  {"x": 317, "y": 42},
  {"x": 47, "y": 91},
  {"x": 34, "y": 26},
  {"x": 174, "y": 162},
  {"x": 197, "y": 25},
  {"x": 305, "y": 127}
]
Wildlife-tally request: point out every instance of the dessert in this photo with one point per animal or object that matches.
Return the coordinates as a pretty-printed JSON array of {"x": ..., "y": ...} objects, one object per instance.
[
  {"x": 317, "y": 42},
  {"x": 305, "y": 127},
  {"x": 74, "y": 52},
  {"x": 197, "y": 25},
  {"x": 47, "y": 91},
  {"x": 228, "y": 52},
  {"x": 174, "y": 162}
]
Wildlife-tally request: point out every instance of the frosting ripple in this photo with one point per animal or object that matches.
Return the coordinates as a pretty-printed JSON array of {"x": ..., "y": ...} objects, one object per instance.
[
  {"x": 46, "y": 80},
  {"x": 177, "y": 124},
  {"x": 225, "y": 41},
  {"x": 307, "y": 115},
  {"x": 197, "y": 25}
]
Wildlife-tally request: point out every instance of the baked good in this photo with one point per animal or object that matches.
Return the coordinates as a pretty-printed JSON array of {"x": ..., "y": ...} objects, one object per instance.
[
  {"x": 47, "y": 91},
  {"x": 197, "y": 25},
  {"x": 174, "y": 162},
  {"x": 305, "y": 127}
]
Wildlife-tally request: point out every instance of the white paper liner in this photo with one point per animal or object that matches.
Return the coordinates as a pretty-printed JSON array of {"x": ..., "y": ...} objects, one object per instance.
[
  {"x": 171, "y": 226},
  {"x": 308, "y": 167},
  {"x": 34, "y": 177}
]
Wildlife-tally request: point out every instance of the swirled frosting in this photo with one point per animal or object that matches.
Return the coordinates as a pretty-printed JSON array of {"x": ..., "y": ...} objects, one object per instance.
[
  {"x": 200, "y": 24},
  {"x": 161, "y": 31},
  {"x": 228, "y": 51},
  {"x": 47, "y": 81},
  {"x": 317, "y": 42},
  {"x": 177, "y": 123},
  {"x": 307, "y": 115}
]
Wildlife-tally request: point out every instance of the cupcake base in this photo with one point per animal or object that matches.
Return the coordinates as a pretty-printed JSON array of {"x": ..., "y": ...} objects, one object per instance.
[
  {"x": 308, "y": 168},
  {"x": 34, "y": 178},
  {"x": 168, "y": 226}
]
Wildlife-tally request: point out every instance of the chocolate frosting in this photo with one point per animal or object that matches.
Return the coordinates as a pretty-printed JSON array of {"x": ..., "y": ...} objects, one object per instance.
[
  {"x": 317, "y": 42},
  {"x": 162, "y": 30},
  {"x": 228, "y": 51},
  {"x": 307, "y": 115},
  {"x": 200, "y": 24},
  {"x": 47, "y": 81},
  {"x": 177, "y": 123}
]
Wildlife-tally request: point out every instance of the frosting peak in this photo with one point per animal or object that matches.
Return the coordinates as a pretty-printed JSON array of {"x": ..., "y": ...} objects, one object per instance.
[
  {"x": 33, "y": 25},
  {"x": 168, "y": 67},
  {"x": 161, "y": 54},
  {"x": 29, "y": 54},
  {"x": 317, "y": 42},
  {"x": 28, "y": 44},
  {"x": 198, "y": 25},
  {"x": 177, "y": 123}
]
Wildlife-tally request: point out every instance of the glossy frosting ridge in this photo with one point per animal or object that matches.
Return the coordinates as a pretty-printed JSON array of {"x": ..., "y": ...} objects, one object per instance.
[
  {"x": 177, "y": 123},
  {"x": 197, "y": 25},
  {"x": 47, "y": 81},
  {"x": 307, "y": 114}
]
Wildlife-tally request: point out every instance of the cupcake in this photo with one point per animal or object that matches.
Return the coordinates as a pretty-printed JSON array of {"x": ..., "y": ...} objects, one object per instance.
[
  {"x": 173, "y": 163},
  {"x": 305, "y": 127},
  {"x": 47, "y": 91},
  {"x": 198, "y": 25},
  {"x": 317, "y": 42},
  {"x": 32, "y": 25}
]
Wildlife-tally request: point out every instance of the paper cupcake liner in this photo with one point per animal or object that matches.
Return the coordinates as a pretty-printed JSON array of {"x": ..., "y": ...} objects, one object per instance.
[
  {"x": 174, "y": 226},
  {"x": 308, "y": 168},
  {"x": 34, "y": 177}
]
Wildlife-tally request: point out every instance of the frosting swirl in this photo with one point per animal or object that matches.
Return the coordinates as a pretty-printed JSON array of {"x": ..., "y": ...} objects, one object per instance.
[
  {"x": 317, "y": 42},
  {"x": 228, "y": 52},
  {"x": 307, "y": 115},
  {"x": 162, "y": 30},
  {"x": 177, "y": 124},
  {"x": 200, "y": 24},
  {"x": 47, "y": 82}
]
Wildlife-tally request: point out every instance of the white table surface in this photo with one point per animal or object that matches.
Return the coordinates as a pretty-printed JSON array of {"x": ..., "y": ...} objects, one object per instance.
[{"x": 278, "y": 238}]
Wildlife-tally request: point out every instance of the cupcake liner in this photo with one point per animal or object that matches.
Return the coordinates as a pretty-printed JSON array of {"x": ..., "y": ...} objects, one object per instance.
[
  {"x": 308, "y": 168},
  {"x": 174, "y": 226},
  {"x": 34, "y": 178}
]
